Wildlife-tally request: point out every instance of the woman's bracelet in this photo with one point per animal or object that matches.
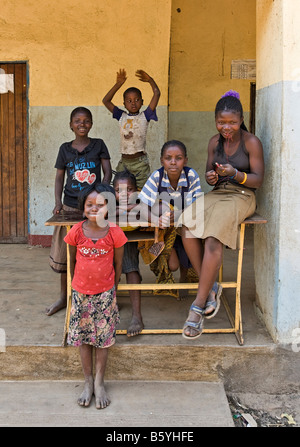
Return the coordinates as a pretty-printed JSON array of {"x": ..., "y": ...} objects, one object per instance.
[
  {"x": 234, "y": 175},
  {"x": 244, "y": 179}
]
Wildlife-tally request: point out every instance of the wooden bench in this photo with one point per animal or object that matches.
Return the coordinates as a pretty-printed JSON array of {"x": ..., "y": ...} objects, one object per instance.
[{"x": 234, "y": 319}]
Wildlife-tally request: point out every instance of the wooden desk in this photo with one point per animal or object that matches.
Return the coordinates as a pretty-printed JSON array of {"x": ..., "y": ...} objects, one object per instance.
[
  {"x": 235, "y": 318},
  {"x": 69, "y": 219}
]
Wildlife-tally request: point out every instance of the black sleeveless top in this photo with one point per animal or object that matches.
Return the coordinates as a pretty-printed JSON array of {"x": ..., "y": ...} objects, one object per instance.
[{"x": 239, "y": 160}]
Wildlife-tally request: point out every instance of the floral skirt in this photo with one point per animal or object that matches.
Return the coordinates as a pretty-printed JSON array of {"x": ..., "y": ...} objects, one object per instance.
[{"x": 93, "y": 319}]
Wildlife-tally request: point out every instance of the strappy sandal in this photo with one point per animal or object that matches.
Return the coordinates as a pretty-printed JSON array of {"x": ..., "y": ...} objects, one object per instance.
[
  {"x": 215, "y": 304},
  {"x": 198, "y": 326}
]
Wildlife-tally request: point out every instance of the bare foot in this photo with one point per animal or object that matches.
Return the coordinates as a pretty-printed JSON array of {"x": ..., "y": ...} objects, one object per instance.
[
  {"x": 135, "y": 327},
  {"x": 101, "y": 397},
  {"x": 87, "y": 393},
  {"x": 61, "y": 303}
]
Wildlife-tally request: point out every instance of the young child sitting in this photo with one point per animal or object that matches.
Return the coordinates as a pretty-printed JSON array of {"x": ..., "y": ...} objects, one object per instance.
[
  {"x": 133, "y": 125},
  {"x": 180, "y": 185},
  {"x": 126, "y": 189}
]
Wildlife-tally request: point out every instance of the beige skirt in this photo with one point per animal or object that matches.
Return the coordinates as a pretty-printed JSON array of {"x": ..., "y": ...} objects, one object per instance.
[{"x": 220, "y": 213}]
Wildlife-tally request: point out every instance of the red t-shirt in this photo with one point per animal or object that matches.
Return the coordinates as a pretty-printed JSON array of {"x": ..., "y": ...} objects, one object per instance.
[{"x": 94, "y": 269}]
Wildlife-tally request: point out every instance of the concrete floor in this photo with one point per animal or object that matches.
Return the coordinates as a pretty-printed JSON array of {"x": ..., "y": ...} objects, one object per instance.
[
  {"x": 134, "y": 404},
  {"x": 34, "y": 352},
  {"x": 28, "y": 286}
]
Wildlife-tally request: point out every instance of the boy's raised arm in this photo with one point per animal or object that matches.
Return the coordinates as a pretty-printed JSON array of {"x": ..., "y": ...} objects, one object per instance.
[
  {"x": 144, "y": 77},
  {"x": 121, "y": 78}
]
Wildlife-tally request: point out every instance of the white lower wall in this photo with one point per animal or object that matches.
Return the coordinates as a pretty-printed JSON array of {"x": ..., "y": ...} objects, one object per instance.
[{"x": 277, "y": 244}]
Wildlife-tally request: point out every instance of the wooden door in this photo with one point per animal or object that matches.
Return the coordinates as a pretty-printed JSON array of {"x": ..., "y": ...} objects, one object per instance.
[{"x": 13, "y": 153}]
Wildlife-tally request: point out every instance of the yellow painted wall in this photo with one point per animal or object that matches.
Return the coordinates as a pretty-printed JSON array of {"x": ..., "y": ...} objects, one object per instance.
[
  {"x": 205, "y": 37},
  {"x": 269, "y": 29},
  {"x": 277, "y": 22},
  {"x": 291, "y": 55},
  {"x": 75, "y": 48},
  {"x": 73, "y": 51}
]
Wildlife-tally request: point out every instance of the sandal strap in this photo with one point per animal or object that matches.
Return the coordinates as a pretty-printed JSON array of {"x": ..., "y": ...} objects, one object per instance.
[
  {"x": 193, "y": 324},
  {"x": 198, "y": 310},
  {"x": 211, "y": 303}
]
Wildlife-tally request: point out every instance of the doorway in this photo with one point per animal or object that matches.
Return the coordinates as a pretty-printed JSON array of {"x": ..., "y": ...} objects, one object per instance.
[
  {"x": 13, "y": 153},
  {"x": 252, "y": 107}
]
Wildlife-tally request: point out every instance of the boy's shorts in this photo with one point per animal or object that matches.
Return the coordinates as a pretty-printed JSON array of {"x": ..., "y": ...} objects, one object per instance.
[
  {"x": 58, "y": 250},
  {"x": 131, "y": 258},
  {"x": 139, "y": 166}
]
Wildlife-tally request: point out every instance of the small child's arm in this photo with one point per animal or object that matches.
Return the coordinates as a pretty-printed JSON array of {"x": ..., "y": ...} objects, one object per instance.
[
  {"x": 107, "y": 100},
  {"x": 118, "y": 258},
  {"x": 144, "y": 77}
]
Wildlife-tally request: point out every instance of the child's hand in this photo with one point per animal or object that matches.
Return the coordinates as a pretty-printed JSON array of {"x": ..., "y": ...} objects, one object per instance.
[
  {"x": 122, "y": 210},
  {"x": 57, "y": 209},
  {"x": 211, "y": 177},
  {"x": 166, "y": 220},
  {"x": 143, "y": 76},
  {"x": 121, "y": 76},
  {"x": 225, "y": 170}
]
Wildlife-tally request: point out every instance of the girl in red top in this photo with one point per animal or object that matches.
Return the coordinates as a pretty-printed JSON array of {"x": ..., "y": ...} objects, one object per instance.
[{"x": 96, "y": 252}]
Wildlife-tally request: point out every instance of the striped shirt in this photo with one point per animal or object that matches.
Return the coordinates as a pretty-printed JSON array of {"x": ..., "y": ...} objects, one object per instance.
[{"x": 149, "y": 193}]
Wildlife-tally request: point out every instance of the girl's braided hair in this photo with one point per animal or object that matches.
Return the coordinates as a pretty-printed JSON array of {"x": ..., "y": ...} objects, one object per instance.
[
  {"x": 230, "y": 102},
  {"x": 101, "y": 188},
  {"x": 125, "y": 175},
  {"x": 171, "y": 143},
  {"x": 81, "y": 110}
]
